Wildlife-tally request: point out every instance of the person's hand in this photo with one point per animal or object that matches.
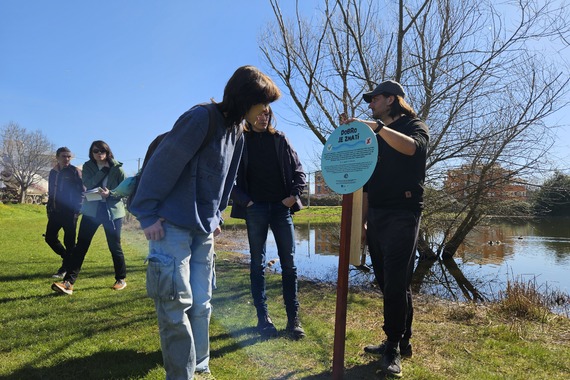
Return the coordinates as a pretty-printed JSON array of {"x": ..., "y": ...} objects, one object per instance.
[
  {"x": 217, "y": 231},
  {"x": 155, "y": 231},
  {"x": 370, "y": 123},
  {"x": 289, "y": 201},
  {"x": 104, "y": 192}
]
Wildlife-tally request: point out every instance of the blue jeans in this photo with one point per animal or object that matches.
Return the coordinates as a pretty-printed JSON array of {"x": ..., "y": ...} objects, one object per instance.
[
  {"x": 261, "y": 216},
  {"x": 179, "y": 280},
  {"x": 392, "y": 237},
  {"x": 87, "y": 229}
]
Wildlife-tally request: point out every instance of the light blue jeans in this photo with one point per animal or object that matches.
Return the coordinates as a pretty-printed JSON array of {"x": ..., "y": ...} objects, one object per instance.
[{"x": 179, "y": 280}]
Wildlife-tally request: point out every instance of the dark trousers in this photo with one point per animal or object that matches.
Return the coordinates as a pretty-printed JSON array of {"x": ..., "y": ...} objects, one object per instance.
[
  {"x": 87, "y": 229},
  {"x": 61, "y": 220},
  {"x": 260, "y": 217},
  {"x": 392, "y": 237}
]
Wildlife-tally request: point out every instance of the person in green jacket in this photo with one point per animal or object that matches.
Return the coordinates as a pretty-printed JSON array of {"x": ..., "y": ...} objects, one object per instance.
[{"x": 100, "y": 207}]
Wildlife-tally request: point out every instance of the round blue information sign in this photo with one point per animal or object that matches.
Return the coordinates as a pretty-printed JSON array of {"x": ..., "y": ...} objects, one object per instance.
[{"x": 349, "y": 157}]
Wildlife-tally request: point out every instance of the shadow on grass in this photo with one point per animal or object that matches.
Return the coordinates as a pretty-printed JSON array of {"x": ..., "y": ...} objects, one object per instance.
[
  {"x": 236, "y": 339},
  {"x": 88, "y": 271},
  {"x": 121, "y": 364},
  {"x": 361, "y": 372}
]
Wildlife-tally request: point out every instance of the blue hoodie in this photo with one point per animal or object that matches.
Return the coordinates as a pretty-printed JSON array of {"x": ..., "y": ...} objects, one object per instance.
[{"x": 186, "y": 186}]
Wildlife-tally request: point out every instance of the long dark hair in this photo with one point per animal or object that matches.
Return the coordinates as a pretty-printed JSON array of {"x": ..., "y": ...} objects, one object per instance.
[
  {"x": 400, "y": 106},
  {"x": 247, "y": 87},
  {"x": 101, "y": 145}
]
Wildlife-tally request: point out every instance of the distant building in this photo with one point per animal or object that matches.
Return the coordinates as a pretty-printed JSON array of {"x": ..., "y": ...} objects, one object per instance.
[
  {"x": 321, "y": 188},
  {"x": 500, "y": 183}
]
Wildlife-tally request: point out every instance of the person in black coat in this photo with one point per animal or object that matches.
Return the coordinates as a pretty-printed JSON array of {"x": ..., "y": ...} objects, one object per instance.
[
  {"x": 269, "y": 183},
  {"x": 65, "y": 193}
]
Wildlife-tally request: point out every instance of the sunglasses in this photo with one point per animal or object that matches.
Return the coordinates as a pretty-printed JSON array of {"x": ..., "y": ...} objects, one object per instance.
[{"x": 97, "y": 151}]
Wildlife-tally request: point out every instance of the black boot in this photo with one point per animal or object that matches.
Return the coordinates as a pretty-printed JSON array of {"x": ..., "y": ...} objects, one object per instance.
[
  {"x": 294, "y": 328},
  {"x": 391, "y": 360},
  {"x": 405, "y": 349},
  {"x": 265, "y": 326}
]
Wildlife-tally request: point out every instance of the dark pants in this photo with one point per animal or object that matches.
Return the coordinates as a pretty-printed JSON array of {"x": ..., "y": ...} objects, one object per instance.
[
  {"x": 87, "y": 230},
  {"x": 57, "y": 221},
  {"x": 392, "y": 237},
  {"x": 261, "y": 216}
]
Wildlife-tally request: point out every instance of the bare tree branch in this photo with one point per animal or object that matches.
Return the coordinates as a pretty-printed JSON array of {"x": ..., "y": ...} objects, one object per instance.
[
  {"x": 26, "y": 157},
  {"x": 477, "y": 77}
]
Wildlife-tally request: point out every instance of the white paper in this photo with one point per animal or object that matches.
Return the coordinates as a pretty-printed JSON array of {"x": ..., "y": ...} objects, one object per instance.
[{"x": 93, "y": 195}]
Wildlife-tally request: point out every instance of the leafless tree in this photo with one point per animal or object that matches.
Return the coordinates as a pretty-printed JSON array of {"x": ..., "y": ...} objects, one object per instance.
[
  {"x": 477, "y": 72},
  {"x": 25, "y": 156}
]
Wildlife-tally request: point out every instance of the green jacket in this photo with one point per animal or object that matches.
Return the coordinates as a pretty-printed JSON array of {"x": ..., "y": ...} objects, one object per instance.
[{"x": 92, "y": 178}]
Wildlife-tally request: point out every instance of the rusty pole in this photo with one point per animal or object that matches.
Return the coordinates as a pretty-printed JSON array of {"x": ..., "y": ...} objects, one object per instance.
[{"x": 342, "y": 288}]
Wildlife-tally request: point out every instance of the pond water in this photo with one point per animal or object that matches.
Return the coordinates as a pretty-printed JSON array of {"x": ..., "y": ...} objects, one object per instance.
[{"x": 536, "y": 252}]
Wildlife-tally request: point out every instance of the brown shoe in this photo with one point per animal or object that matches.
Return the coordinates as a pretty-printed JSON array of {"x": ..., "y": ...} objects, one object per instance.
[
  {"x": 64, "y": 287},
  {"x": 120, "y": 285}
]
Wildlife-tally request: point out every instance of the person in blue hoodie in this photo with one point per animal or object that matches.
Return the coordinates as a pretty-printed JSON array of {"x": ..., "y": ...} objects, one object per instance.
[
  {"x": 269, "y": 183},
  {"x": 179, "y": 202}
]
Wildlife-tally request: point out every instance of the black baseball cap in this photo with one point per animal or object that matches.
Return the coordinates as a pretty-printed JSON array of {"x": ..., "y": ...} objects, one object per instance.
[{"x": 387, "y": 87}]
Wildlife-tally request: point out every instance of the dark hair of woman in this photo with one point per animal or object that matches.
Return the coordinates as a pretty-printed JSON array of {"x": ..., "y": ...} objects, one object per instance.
[
  {"x": 100, "y": 145},
  {"x": 247, "y": 87}
]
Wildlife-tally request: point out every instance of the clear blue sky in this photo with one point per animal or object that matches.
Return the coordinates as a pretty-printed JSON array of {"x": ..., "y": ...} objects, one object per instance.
[{"x": 123, "y": 71}]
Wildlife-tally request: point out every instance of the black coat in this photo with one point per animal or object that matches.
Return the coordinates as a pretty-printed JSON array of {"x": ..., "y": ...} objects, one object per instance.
[{"x": 292, "y": 175}]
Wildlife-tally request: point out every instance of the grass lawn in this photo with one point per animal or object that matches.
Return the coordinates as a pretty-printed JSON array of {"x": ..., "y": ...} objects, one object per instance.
[
  {"x": 98, "y": 333},
  {"x": 313, "y": 214}
]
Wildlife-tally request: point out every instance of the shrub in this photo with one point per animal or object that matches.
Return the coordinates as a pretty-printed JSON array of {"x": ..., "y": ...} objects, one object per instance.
[{"x": 523, "y": 300}]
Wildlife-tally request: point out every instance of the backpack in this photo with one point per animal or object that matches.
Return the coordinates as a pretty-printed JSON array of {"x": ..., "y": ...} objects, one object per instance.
[{"x": 156, "y": 142}]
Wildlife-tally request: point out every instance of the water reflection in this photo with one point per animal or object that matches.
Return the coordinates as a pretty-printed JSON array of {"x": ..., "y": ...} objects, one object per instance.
[{"x": 491, "y": 255}]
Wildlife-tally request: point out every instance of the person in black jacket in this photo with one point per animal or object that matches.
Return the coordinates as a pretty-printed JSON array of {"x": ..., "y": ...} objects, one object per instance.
[
  {"x": 65, "y": 193},
  {"x": 269, "y": 183},
  {"x": 392, "y": 206}
]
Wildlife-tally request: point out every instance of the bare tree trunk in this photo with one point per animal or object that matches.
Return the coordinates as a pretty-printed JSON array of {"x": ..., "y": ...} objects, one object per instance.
[
  {"x": 425, "y": 251},
  {"x": 22, "y": 198}
]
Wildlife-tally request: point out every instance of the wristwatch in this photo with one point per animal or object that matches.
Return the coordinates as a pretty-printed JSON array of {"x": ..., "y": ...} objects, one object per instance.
[{"x": 379, "y": 127}]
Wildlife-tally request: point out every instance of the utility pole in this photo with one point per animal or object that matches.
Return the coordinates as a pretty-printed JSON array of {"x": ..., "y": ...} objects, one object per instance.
[{"x": 309, "y": 190}]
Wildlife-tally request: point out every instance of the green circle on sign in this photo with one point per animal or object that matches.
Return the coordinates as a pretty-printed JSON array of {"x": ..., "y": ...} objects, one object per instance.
[{"x": 349, "y": 157}]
